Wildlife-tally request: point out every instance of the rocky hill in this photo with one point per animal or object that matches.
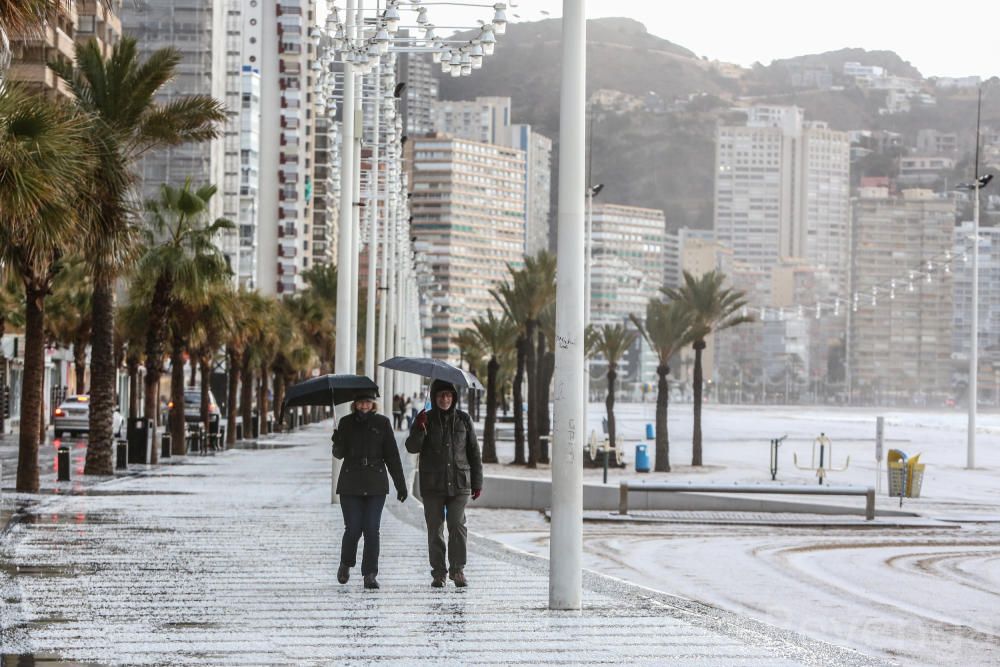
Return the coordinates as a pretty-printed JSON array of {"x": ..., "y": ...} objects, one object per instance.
[{"x": 655, "y": 105}]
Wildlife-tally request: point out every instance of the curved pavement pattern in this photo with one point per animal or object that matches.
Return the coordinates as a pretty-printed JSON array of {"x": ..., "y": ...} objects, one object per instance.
[{"x": 231, "y": 560}]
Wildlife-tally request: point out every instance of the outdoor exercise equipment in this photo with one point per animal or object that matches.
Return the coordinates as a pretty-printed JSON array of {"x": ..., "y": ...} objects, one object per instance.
[{"x": 825, "y": 447}]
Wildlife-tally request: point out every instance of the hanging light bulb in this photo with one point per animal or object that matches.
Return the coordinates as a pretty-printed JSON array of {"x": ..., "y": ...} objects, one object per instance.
[
  {"x": 892, "y": 290},
  {"x": 965, "y": 257},
  {"x": 929, "y": 279},
  {"x": 422, "y": 16},
  {"x": 799, "y": 312},
  {"x": 909, "y": 287},
  {"x": 499, "y": 18},
  {"x": 391, "y": 17},
  {"x": 874, "y": 296},
  {"x": 488, "y": 40},
  {"x": 836, "y": 307},
  {"x": 818, "y": 313}
]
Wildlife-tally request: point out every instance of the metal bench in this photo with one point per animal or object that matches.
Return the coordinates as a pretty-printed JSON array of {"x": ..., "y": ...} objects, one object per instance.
[{"x": 786, "y": 489}]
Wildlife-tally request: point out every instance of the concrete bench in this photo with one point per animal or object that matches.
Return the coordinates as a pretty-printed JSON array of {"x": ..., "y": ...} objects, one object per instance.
[{"x": 787, "y": 489}]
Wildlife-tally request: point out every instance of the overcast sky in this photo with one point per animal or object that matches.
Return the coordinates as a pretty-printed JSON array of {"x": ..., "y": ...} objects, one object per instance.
[{"x": 937, "y": 43}]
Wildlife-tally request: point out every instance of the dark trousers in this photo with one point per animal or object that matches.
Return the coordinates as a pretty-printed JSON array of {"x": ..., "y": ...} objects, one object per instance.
[
  {"x": 362, "y": 516},
  {"x": 439, "y": 510}
]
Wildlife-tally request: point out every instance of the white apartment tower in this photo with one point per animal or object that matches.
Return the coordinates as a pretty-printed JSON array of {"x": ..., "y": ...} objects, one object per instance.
[
  {"x": 284, "y": 50},
  {"x": 488, "y": 120},
  {"x": 197, "y": 29},
  {"x": 468, "y": 220},
  {"x": 782, "y": 190}
]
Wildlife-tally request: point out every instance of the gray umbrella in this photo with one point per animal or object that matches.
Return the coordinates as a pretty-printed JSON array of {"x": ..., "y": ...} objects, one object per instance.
[{"x": 434, "y": 369}]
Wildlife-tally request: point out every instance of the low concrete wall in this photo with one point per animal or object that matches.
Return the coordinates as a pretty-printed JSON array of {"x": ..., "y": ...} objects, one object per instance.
[{"x": 523, "y": 493}]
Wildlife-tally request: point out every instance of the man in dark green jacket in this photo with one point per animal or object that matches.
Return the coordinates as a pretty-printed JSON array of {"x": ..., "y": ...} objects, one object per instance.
[{"x": 451, "y": 469}]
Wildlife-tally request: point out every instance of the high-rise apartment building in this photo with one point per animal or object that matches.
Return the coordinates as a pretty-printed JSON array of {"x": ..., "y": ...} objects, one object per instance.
[
  {"x": 901, "y": 308},
  {"x": 485, "y": 119},
  {"x": 989, "y": 302},
  {"x": 488, "y": 120},
  {"x": 782, "y": 189},
  {"x": 467, "y": 204},
  {"x": 417, "y": 71},
  {"x": 627, "y": 268},
  {"x": 537, "y": 185},
  {"x": 285, "y": 51},
  {"x": 196, "y": 29},
  {"x": 69, "y": 22}
]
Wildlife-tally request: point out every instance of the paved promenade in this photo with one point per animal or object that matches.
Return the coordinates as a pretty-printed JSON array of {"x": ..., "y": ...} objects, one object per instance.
[{"x": 231, "y": 560}]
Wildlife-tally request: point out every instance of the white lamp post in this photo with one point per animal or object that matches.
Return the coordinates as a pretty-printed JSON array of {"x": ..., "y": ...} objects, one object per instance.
[
  {"x": 566, "y": 543},
  {"x": 978, "y": 183}
]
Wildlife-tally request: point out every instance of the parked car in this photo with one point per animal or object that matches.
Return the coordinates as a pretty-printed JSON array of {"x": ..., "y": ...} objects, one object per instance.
[
  {"x": 73, "y": 417},
  {"x": 192, "y": 410}
]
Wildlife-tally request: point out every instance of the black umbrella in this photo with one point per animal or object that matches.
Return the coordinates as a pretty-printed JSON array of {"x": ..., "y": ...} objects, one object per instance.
[
  {"x": 434, "y": 369},
  {"x": 329, "y": 390}
]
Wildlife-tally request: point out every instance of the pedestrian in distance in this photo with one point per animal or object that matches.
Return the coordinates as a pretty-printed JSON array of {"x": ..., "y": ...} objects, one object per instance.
[
  {"x": 406, "y": 412},
  {"x": 365, "y": 441},
  {"x": 450, "y": 472},
  {"x": 397, "y": 411}
]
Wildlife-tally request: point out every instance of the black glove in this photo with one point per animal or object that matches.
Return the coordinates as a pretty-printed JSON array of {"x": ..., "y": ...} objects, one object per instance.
[{"x": 402, "y": 495}]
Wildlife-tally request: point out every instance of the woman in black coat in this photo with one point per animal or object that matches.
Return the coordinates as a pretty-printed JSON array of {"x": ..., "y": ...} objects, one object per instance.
[{"x": 365, "y": 441}]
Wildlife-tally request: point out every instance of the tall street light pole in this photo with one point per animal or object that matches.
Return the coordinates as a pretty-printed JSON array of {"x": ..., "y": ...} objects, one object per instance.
[
  {"x": 345, "y": 243},
  {"x": 978, "y": 183},
  {"x": 566, "y": 542},
  {"x": 373, "y": 237}
]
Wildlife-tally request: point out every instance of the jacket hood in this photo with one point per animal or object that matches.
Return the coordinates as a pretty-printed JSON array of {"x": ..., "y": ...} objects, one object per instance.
[{"x": 438, "y": 386}]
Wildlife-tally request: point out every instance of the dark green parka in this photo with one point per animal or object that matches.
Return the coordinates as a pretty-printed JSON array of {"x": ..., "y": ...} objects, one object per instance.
[
  {"x": 368, "y": 447},
  {"x": 450, "y": 460}
]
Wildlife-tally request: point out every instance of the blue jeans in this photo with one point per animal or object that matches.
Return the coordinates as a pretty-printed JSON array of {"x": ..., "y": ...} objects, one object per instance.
[{"x": 362, "y": 516}]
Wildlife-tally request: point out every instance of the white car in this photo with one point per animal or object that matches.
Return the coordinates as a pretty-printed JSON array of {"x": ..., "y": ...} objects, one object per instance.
[{"x": 73, "y": 417}]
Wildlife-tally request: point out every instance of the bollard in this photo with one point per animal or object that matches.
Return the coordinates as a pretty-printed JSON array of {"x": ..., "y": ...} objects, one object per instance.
[
  {"x": 63, "y": 463},
  {"x": 121, "y": 455},
  {"x": 165, "y": 445}
]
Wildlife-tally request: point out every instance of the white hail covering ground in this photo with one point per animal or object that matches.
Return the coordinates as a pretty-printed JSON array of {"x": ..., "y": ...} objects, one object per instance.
[{"x": 919, "y": 596}]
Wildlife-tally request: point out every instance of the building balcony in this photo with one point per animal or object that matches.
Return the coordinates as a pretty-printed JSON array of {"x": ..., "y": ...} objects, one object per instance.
[{"x": 39, "y": 75}]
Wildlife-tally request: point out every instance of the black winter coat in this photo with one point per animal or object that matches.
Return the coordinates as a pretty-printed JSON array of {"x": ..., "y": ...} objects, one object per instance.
[
  {"x": 368, "y": 447},
  {"x": 450, "y": 461}
]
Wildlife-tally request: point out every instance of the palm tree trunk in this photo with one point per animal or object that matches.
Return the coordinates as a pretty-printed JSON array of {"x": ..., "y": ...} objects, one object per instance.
[
  {"x": 176, "y": 416},
  {"x": 532, "y": 367},
  {"x": 132, "y": 364},
  {"x": 609, "y": 403},
  {"x": 262, "y": 400},
  {"x": 31, "y": 387},
  {"x": 100, "y": 459},
  {"x": 696, "y": 432},
  {"x": 279, "y": 395},
  {"x": 519, "y": 403},
  {"x": 662, "y": 437},
  {"x": 3, "y": 379},
  {"x": 489, "y": 429},
  {"x": 205, "y": 365},
  {"x": 156, "y": 325},
  {"x": 546, "y": 367},
  {"x": 80, "y": 365},
  {"x": 246, "y": 394},
  {"x": 232, "y": 360},
  {"x": 193, "y": 380}
]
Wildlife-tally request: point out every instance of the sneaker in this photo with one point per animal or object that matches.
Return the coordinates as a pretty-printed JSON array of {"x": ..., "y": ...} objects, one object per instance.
[
  {"x": 438, "y": 581},
  {"x": 459, "y": 579},
  {"x": 343, "y": 573},
  {"x": 370, "y": 581}
]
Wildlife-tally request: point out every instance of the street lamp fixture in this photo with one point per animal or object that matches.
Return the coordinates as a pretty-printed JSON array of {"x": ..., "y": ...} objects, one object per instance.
[{"x": 499, "y": 18}]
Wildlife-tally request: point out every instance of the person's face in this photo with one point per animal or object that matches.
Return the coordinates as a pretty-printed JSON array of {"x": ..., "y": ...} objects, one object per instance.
[
  {"x": 364, "y": 405},
  {"x": 444, "y": 400}
]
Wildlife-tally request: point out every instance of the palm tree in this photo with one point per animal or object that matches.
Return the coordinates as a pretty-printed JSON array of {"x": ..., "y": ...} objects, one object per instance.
[
  {"x": 667, "y": 329},
  {"x": 215, "y": 321},
  {"x": 473, "y": 355},
  {"x": 180, "y": 263},
  {"x": 119, "y": 94},
  {"x": 539, "y": 276},
  {"x": 130, "y": 321},
  {"x": 68, "y": 318},
  {"x": 612, "y": 341},
  {"x": 712, "y": 308},
  {"x": 546, "y": 370},
  {"x": 511, "y": 298},
  {"x": 44, "y": 163},
  {"x": 496, "y": 337},
  {"x": 255, "y": 318}
]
